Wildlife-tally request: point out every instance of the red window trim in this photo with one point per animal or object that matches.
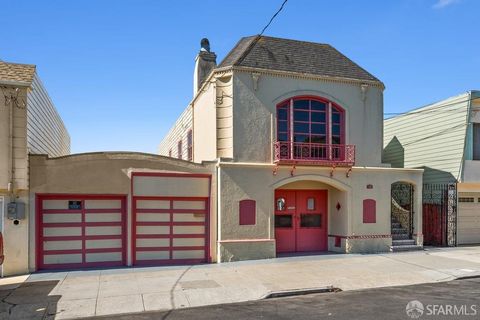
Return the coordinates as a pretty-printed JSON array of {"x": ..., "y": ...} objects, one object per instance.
[
  {"x": 288, "y": 104},
  {"x": 179, "y": 150},
  {"x": 190, "y": 145}
]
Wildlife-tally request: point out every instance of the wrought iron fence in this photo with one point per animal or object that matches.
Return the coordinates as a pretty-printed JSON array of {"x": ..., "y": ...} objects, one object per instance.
[{"x": 440, "y": 214}]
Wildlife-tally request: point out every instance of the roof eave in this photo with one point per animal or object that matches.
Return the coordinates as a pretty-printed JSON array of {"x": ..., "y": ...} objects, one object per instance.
[
  {"x": 376, "y": 83},
  {"x": 13, "y": 83}
]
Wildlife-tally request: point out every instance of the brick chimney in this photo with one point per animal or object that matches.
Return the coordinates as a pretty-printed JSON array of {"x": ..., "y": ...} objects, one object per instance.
[{"x": 205, "y": 62}]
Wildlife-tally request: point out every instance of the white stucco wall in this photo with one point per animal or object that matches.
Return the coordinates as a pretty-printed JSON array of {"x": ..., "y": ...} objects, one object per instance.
[
  {"x": 204, "y": 125},
  {"x": 257, "y": 182},
  {"x": 254, "y": 113}
]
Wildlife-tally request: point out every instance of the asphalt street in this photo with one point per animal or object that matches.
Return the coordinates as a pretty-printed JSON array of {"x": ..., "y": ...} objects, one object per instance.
[{"x": 459, "y": 299}]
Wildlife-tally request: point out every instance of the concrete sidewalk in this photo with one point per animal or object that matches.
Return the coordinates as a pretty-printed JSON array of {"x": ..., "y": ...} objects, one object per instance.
[{"x": 68, "y": 295}]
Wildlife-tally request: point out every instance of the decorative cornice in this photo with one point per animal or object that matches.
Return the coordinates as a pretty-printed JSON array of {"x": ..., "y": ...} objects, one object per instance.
[{"x": 308, "y": 76}]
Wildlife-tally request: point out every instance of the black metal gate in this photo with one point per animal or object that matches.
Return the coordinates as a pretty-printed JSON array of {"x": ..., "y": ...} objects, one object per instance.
[
  {"x": 402, "y": 205},
  {"x": 439, "y": 204}
]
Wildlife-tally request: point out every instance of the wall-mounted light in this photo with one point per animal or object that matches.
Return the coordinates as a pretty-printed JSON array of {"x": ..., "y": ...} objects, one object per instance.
[{"x": 338, "y": 206}]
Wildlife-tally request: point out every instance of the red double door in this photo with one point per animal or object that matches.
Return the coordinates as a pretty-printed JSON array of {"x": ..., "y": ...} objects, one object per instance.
[{"x": 301, "y": 220}]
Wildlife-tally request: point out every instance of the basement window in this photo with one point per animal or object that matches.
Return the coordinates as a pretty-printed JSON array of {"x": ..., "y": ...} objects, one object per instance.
[{"x": 466, "y": 199}]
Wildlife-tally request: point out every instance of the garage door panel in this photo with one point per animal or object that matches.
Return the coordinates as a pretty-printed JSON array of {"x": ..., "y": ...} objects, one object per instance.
[
  {"x": 63, "y": 245},
  {"x": 153, "y": 255},
  {"x": 188, "y": 229},
  {"x": 104, "y": 257},
  {"x": 170, "y": 218},
  {"x": 200, "y": 205},
  {"x": 103, "y": 217},
  {"x": 90, "y": 233},
  {"x": 62, "y": 258},
  {"x": 148, "y": 243},
  {"x": 57, "y": 204},
  {"x": 153, "y": 217},
  {"x": 189, "y": 217},
  {"x": 188, "y": 242},
  {"x": 102, "y": 244},
  {"x": 62, "y": 231},
  {"x": 153, "y": 230},
  {"x": 62, "y": 217},
  {"x": 103, "y": 204},
  {"x": 153, "y": 204},
  {"x": 188, "y": 254}
]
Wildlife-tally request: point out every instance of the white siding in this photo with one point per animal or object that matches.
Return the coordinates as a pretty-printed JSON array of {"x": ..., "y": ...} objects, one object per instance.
[
  {"x": 46, "y": 133},
  {"x": 177, "y": 133},
  {"x": 430, "y": 137}
]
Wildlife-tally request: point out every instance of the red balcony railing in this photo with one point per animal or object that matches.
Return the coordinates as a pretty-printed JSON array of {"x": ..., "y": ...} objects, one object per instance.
[{"x": 315, "y": 153}]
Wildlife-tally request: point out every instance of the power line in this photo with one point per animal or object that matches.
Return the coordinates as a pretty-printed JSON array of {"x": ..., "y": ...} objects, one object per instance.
[
  {"x": 432, "y": 109},
  {"x": 273, "y": 17}
]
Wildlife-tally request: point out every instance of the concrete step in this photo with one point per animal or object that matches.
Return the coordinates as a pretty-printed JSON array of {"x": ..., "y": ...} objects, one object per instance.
[
  {"x": 399, "y": 230},
  {"x": 400, "y": 236},
  {"x": 396, "y": 225},
  {"x": 403, "y": 242},
  {"x": 405, "y": 248}
]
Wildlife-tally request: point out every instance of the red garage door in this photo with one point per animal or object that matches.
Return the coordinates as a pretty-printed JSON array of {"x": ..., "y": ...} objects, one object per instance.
[
  {"x": 80, "y": 231},
  {"x": 168, "y": 228}
]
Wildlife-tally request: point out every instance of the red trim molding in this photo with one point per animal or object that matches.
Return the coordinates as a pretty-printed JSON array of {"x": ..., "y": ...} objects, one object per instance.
[{"x": 366, "y": 236}]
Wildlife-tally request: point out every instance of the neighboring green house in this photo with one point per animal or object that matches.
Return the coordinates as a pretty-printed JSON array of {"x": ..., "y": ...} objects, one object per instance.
[{"x": 443, "y": 138}]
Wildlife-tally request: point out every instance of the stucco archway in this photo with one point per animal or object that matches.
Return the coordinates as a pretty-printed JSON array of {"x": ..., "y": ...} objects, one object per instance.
[{"x": 333, "y": 220}]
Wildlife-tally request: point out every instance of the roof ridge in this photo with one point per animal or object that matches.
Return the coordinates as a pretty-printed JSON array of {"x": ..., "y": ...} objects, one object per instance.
[
  {"x": 300, "y": 41},
  {"x": 247, "y": 50}
]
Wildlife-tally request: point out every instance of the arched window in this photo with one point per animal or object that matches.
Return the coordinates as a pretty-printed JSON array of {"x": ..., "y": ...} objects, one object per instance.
[{"x": 309, "y": 128}]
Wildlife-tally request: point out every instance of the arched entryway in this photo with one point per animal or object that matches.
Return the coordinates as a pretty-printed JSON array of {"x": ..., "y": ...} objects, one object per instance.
[
  {"x": 402, "y": 214},
  {"x": 301, "y": 216}
]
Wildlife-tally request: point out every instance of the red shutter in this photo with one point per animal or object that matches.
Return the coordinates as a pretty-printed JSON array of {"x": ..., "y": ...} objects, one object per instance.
[
  {"x": 247, "y": 209},
  {"x": 369, "y": 211}
]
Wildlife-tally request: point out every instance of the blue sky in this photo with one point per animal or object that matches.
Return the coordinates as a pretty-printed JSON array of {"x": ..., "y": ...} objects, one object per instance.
[{"x": 120, "y": 72}]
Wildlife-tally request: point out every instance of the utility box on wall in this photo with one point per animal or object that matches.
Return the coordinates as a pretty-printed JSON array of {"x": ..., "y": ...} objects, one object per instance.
[{"x": 16, "y": 211}]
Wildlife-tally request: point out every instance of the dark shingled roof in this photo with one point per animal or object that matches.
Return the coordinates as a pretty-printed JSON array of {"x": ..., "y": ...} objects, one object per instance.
[{"x": 294, "y": 56}]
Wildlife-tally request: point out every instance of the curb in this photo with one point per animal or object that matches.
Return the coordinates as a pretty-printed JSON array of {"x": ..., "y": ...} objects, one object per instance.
[
  {"x": 299, "y": 292},
  {"x": 475, "y": 276}
]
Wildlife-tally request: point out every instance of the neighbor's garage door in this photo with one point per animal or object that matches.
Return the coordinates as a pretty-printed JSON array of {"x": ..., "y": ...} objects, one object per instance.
[
  {"x": 170, "y": 219},
  {"x": 77, "y": 231},
  {"x": 468, "y": 230}
]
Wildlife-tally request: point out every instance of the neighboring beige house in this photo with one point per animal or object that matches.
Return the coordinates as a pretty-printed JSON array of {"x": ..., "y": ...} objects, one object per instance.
[
  {"x": 29, "y": 123},
  {"x": 296, "y": 131},
  {"x": 443, "y": 138}
]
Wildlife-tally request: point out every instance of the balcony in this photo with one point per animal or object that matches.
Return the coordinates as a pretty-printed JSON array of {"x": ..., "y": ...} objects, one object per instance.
[{"x": 314, "y": 154}]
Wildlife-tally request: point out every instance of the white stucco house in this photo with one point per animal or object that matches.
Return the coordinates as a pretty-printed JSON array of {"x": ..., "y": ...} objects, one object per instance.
[
  {"x": 443, "y": 138},
  {"x": 296, "y": 131},
  {"x": 279, "y": 152}
]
